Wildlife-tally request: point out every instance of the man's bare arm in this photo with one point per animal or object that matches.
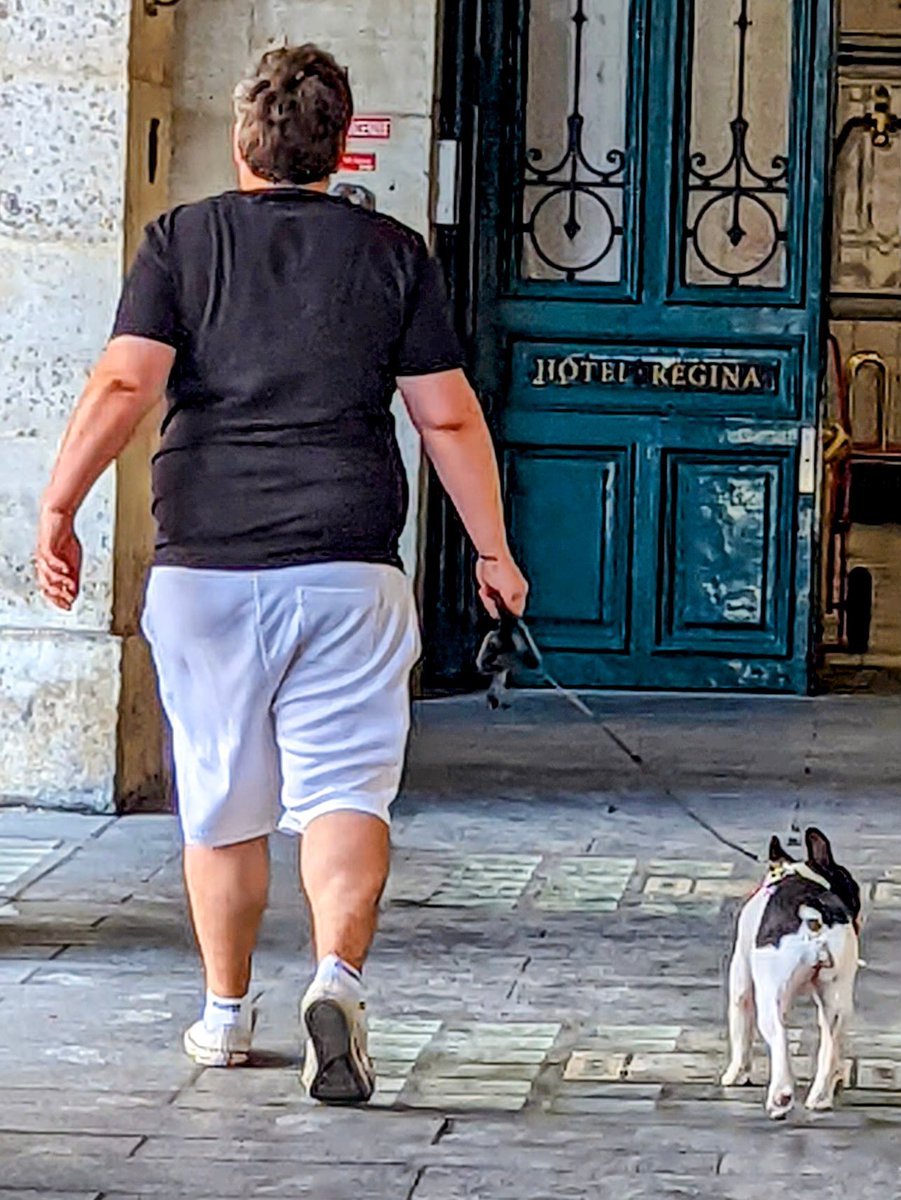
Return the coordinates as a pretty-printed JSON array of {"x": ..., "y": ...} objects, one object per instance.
[
  {"x": 124, "y": 386},
  {"x": 449, "y": 418}
]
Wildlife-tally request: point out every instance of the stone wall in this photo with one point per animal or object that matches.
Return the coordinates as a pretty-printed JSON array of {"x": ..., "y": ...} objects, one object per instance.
[
  {"x": 62, "y": 182},
  {"x": 389, "y": 48}
]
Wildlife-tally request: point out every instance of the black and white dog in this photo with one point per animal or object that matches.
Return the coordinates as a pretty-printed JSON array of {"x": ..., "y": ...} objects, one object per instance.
[{"x": 797, "y": 934}]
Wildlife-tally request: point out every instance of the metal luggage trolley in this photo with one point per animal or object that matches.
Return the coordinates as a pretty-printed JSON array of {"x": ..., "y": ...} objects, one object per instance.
[{"x": 861, "y": 446}]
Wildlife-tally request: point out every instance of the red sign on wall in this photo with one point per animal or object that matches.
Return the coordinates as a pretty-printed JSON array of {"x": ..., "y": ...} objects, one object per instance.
[
  {"x": 370, "y": 129},
  {"x": 357, "y": 162}
]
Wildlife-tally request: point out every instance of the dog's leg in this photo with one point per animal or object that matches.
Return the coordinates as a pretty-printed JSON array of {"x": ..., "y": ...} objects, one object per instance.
[
  {"x": 741, "y": 1021},
  {"x": 834, "y": 1005},
  {"x": 820, "y": 1094},
  {"x": 771, "y": 1021}
]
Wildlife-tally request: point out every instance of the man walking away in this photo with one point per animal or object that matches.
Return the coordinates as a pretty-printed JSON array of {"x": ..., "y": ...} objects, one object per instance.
[{"x": 279, "y": 321}]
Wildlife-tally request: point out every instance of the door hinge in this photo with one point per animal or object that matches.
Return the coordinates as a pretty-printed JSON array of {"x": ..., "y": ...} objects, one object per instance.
[{"x": 447, "y": 183}]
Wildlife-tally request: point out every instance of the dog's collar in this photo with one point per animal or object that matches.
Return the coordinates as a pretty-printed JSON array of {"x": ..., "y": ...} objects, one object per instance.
[{"x": 781, "y": 870}]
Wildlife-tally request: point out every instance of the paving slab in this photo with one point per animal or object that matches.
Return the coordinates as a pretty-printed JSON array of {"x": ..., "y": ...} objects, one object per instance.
[
  {"x": 199, "y": 1176},
  {"x": 6, "y": 1194},
  {"x": 68, "y": 1145},
  {"x": 68, "y": 827},
  {"x": 437, "y": 1184},
  {"x": 303, "y": 1145}
]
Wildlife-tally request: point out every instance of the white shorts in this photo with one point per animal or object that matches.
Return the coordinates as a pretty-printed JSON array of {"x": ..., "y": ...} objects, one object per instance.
[{"x": 288, "y": 692}]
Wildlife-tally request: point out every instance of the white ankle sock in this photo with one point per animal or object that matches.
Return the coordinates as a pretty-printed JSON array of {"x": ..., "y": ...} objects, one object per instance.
[
  {"x": 337, "y": 970},
  {"x": 221, "y": 1011}
]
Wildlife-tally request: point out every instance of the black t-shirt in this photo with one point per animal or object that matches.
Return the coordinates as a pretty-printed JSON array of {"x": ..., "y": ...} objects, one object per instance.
[{"x": 292, "y": 313}]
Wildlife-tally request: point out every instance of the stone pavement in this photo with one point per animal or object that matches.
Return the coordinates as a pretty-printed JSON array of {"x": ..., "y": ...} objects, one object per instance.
[{"x": 546, "y": 991}]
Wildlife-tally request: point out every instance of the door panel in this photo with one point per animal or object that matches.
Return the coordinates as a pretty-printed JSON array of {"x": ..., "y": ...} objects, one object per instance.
[
  {"x": 743, "y": 134},
  {"x": 580, "y": 574},
  {"x": 866, "y": 244},
  {"x": 577, "y": 170},
  {"x": 878, "y": 17},
  {"x": 725, "y": 538},
  {"x": 571, "y": 156}
]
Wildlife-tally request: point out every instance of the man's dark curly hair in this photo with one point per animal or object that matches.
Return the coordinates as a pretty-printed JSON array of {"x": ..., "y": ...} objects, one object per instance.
[{"x": 292, "y": 115}]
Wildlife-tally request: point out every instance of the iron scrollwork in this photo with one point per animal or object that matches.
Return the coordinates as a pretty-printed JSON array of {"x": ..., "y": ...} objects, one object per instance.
[
  {"x": 738, "y": 184},
  {"x": 575, "y": 178}
]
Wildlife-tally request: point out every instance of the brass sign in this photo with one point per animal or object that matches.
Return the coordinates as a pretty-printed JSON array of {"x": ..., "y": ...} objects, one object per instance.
[{"x": 677, "y": 375}]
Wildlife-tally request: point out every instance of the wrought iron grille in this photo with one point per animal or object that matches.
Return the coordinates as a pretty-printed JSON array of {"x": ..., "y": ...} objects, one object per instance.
[
  {"x": 725, "y": 200},
  {"x": 557, "y": 196}
]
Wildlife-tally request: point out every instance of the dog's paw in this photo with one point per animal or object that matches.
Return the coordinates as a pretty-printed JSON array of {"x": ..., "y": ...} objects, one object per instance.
[
  {"x": 822, "y": 1098},
  {"x": 779, "y": 1105},
  {"x": 736, "y": 1076}
]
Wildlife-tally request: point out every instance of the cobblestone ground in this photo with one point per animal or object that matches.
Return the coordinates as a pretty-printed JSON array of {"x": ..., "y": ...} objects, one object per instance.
[{"x": 547, "y": 988}]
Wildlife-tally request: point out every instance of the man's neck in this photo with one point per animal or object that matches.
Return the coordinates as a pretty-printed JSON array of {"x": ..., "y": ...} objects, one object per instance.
[{"x": 248, "y": 182}]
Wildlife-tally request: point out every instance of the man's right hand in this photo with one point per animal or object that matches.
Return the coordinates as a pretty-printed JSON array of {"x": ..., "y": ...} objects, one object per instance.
[
  {"x": 501, "y": 584},
  {"x": 58, "y": 558}
]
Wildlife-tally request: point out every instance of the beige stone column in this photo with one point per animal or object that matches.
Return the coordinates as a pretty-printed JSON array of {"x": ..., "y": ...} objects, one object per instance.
[
  {"x": 142, "y": 761},
  {"x": 62, "y": 197}
]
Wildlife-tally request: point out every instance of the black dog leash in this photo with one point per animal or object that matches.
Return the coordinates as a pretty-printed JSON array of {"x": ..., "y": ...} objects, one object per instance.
[{"x": 510, "y": 647}]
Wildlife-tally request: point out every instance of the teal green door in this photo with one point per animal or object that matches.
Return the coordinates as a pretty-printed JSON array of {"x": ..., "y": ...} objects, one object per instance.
[{"x": 648, "y": 179}]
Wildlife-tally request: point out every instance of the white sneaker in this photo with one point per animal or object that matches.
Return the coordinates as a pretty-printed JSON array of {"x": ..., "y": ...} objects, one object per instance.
[
  {"x": 337, "y": 1068},
  {"x": 228, "y": 1046}
]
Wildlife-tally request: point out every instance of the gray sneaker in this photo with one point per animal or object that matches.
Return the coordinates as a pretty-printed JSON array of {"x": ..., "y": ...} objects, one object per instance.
[{"x": 337, "y": 1068}]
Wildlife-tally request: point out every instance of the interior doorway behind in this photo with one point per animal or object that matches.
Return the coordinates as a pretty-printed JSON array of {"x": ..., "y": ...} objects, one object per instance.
[{"x": 861, "y": 562}]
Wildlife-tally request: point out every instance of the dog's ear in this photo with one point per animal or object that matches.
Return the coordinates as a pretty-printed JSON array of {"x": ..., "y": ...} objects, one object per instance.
[
  {"x": 819, "y": 852},
  {"x": 777, "y": 853}
]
